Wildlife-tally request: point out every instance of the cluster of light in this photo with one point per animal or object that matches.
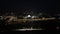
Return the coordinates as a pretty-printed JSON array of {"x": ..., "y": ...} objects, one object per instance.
[
  {"x": 33, "y": 16},
  {"x": 29, "y": 16}
]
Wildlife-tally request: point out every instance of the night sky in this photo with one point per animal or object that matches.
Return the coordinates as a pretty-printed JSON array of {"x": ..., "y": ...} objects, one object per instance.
[{"x": 18, "y": 6}]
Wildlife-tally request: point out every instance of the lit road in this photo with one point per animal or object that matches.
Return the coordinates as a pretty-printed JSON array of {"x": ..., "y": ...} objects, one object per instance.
[{"x": 15, "y": 19}]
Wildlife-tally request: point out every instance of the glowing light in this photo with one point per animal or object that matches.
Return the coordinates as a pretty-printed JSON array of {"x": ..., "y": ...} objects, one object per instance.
[
  {"x": 29, "y": 15},
  {"x": 57, "y": 27},
  {"x": 33, "y": 16}
]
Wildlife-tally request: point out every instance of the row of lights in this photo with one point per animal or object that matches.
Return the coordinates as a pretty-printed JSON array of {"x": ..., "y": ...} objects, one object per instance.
[{"x": 28, "y": 16}]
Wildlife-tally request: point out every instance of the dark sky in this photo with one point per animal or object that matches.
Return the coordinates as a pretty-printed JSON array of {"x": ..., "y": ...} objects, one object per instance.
[{"x": 21, "y": 5}]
